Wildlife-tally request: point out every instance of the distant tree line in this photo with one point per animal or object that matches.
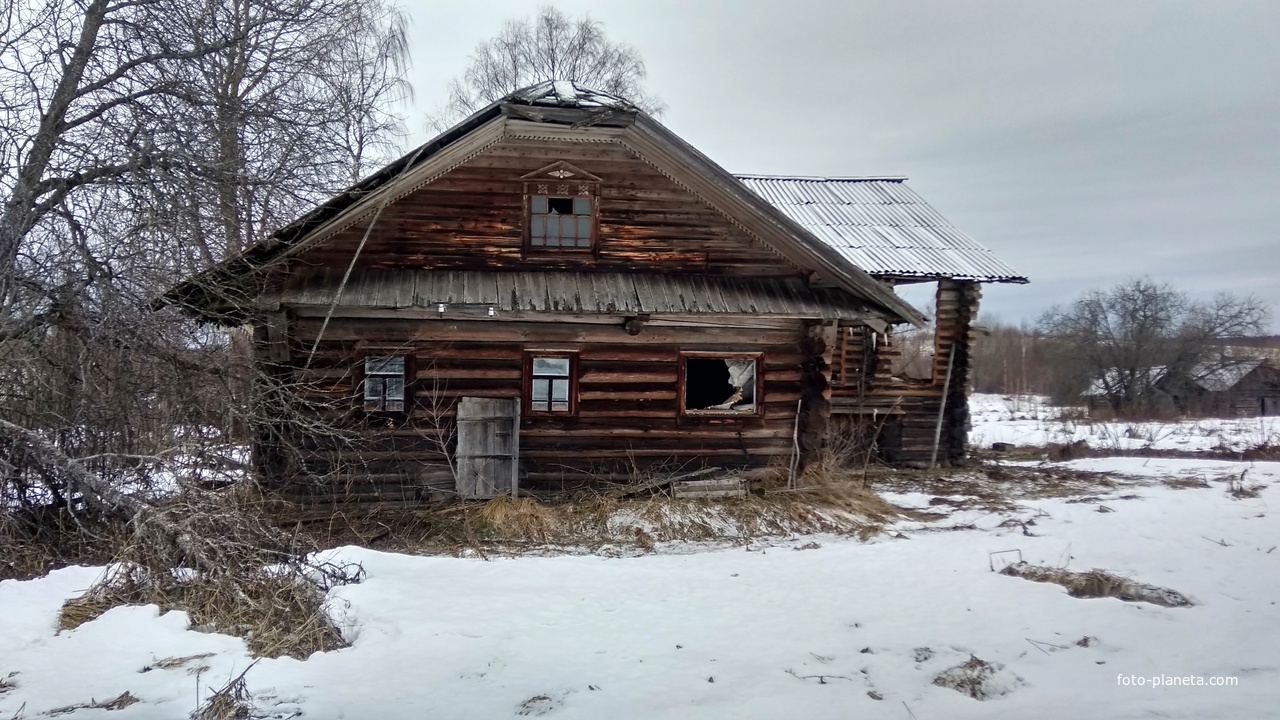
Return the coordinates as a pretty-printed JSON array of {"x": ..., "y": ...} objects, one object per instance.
[{"x": 1116, "y": 344}]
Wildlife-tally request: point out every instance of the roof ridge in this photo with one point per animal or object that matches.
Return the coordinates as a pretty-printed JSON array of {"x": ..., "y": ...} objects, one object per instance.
[{"x": 825, "y": 178}]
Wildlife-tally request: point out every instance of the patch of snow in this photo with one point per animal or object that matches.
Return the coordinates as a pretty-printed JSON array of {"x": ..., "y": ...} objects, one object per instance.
[
  {"x": 1030, "y": 421},
  {"x": 838, "y": 630}
]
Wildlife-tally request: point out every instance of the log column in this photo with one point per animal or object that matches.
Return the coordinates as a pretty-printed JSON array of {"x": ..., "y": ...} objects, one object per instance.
[
  {"x": 957, "y": 308},
  {"x": 816, "y": 346}
]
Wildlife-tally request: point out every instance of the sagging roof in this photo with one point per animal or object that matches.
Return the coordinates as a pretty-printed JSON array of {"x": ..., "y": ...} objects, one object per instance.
[
  {"x": 883, "y": 227},
  {"x": 1224, "y": 375},
  {"x": 563, "y": 292},
  {"x": 567, "y": 108}
]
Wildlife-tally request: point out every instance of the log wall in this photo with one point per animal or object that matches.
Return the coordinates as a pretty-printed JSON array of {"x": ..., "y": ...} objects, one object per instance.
[
  {"x": 901, "y": 415},
  {"x": 628, "y": 420},
  {"x": 472, "y": 218}
]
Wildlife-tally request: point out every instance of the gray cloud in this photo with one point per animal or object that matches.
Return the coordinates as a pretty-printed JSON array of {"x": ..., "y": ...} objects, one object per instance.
[{"x": 1085, "y": 142}]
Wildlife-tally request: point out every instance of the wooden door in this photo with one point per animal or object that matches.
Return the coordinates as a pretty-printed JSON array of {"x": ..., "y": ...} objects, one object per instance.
[{"x": 488, "y": 457}]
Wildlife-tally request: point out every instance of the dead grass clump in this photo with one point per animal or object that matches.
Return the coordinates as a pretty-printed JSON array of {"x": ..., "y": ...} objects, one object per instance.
[
  {"x": 173, "y": 663},
  {"x": 522, "y": 518},
  {"x": 120, "y": 702},
  {"x": 1098, "y": 583},
  {"x": 976, "y": 678},
  {"x": 34, "y": 541},
  {"x": 1186, "y": 483},
  {"x": 232, "y": 702},
  {"x": 229, "y": 570}
]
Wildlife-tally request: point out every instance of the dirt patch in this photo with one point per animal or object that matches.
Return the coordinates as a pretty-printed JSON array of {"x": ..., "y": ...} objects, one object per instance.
[{"x": 1098, "y": 583}]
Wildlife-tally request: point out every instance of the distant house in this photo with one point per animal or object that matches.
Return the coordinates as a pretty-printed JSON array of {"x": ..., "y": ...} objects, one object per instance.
[
  {"x": 1227, "y": 388},
  {"x": 1230, "y": 386},
  {"x": 559, "y": 292}
]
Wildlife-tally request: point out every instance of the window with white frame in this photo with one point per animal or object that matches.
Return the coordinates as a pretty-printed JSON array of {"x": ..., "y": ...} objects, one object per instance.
[
  {"x": 551, "y": 384},
  {"x": 384, "y": 384}
]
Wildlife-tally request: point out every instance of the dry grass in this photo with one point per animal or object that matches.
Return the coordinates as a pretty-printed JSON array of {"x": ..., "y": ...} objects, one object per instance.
[
  {"x": 826, "y": 501},
  {"x": 120, "y": 702},
  {"x": 1186, "y": 483},
  {"x": 975, "y": 678},
  {"x": 1098, "y": 583},
  {"x": 229, "y": 570},
  {"x": 232, "y": 702},
  {"x": 33, "y": 542}
]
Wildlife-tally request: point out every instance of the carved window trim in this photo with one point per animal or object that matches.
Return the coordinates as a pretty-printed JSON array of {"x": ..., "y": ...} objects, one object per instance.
[{"x": 560, "y": 184}]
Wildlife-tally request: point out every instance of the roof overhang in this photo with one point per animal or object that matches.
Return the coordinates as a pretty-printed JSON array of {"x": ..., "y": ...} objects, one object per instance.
[{"x": 217, "y": 293}]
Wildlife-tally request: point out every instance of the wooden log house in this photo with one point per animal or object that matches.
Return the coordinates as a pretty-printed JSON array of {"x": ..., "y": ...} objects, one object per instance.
[{"x": 556, "y": 292}]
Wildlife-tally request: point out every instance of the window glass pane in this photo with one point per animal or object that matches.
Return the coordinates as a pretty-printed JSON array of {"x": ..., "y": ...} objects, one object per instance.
[
  {"x": 393, "y": 388},
  {"x": 584, "y": 228},
  {"x": 372, "y": 389},
  {"x": 538, "y": 226},
  {"x": 394, "y": 406},
  {"x": 560, "y": 390},
  {"x": 539, "y": 205},
  {"x": 553, "y": 241},
  {"x": 582, "y": 206},
  {"x": 384, "y": 366},
  {"x": 568, "y": 227},
  {"x": 559, "y": 407},
  {"x": 537, "y": 241},
  {"x": 555, "y": 367},
  {"x": 541, "y": 389}
]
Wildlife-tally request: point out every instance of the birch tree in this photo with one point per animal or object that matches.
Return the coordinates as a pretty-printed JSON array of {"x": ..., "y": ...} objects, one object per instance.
[{"x": 548, "y": 46}]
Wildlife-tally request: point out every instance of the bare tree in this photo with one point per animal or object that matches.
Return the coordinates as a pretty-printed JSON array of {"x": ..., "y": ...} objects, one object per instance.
[
  {"x": 1124, "y": 339},
  {"x": 141, "y": 139},
  {"x": 548, "y": 46}
]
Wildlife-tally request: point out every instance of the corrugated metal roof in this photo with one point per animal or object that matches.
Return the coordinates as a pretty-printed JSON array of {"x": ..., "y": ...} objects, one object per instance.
[
  {"x": 882, "y": 226},
  {"x": 568, "y": 292}
]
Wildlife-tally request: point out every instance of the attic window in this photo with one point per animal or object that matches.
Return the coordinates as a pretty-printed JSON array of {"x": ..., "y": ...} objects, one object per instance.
[
  {"x": 558, "y": 223},
  {"x": 719, "y": 384},
  {"x": 384, "y": 384}
]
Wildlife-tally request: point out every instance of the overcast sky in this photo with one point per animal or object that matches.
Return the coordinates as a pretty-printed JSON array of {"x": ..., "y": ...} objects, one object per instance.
[{"x": 1084, "y": 142}]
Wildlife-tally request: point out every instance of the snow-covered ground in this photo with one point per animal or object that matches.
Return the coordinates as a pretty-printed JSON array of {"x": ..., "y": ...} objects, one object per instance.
[
  {"x": 810, "y": 627},
  {"x": 1028, "y": 420}
]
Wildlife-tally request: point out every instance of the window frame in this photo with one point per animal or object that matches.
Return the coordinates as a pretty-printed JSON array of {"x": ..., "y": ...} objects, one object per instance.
[
  {"x": 572, "y": 187},
  {"x": 404, "y": 375},
  {"x": 528, "y": 378},
  {"x": 756, "y": 411}
]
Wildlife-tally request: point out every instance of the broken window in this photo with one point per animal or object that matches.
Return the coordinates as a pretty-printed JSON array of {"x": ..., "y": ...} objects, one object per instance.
[
  {"x": 719, "y": 384},
  {"x": 384, "y": 384},
  {"x": 560, "y": 222},
  {"x": 550, "y": 384}
]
